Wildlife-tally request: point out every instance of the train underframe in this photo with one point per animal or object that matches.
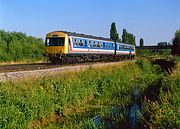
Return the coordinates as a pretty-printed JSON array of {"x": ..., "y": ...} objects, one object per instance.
[{"x": 76, "y": 58}]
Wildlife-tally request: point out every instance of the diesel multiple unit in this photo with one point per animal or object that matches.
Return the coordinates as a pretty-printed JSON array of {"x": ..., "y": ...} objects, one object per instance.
[{"x": 62, "y": 46}]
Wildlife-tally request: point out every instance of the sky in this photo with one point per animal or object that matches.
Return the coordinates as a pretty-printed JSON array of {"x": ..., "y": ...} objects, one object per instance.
[{"x": 153, "y": 20}]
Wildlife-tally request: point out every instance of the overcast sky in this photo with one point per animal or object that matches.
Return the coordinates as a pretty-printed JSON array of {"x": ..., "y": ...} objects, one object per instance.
[{"x": 153, "y": 20}]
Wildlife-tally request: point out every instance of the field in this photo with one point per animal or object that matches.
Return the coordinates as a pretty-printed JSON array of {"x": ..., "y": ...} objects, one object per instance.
[{"x": 95, "y": 98}]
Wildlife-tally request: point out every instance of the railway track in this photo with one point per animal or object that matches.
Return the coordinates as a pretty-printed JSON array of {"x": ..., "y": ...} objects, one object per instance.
[
  {"x": 25, "y": 71},
  {"x": 41, "y": 66},
  {"x": 35, "y": 66},
  {"x": 26, "y": 67}
]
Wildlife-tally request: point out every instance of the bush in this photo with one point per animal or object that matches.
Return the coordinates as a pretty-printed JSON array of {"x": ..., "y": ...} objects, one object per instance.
[
  {"x": 176, "y": 43},
  {"x": 17, "y": 46}
]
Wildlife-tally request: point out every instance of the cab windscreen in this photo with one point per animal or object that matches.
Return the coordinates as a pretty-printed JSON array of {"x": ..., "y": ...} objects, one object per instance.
[{"x": 55, "y": 41}]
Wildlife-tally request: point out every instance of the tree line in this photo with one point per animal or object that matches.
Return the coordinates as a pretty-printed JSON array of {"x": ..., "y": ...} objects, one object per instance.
[
  {"x": 17, "y": 46},
  {"x": 127, "y": 37},
  {"x": 130, "y": 39}
]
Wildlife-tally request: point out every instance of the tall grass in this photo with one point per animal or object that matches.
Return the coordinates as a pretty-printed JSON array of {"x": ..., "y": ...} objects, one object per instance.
[
  {"x": 165, "y": 112},
  {"x": 71, "y": 99}
]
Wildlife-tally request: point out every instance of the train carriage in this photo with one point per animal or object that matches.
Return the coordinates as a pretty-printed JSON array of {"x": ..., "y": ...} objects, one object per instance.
[{"x": 66, "y": 46}]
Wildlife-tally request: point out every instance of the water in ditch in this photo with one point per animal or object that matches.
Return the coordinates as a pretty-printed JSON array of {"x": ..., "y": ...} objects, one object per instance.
[{"x": 133, "y": 111}]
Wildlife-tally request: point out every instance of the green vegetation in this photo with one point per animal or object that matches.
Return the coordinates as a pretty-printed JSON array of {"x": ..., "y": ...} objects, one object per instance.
[
  {"x": 70, "y": 100},
  {"x": 17, "y": 46},
  {"x": 163, "y": 53},
  {"x": 163, "y": 44},
  {"x": 176, "y": 43},
  {"x": 165, "y": 112},
  {"x": 154, "y": 53},
  {"x": 113, "y": 32},
  {"x": 141, "y": 42},
  {"x": 114, "y": 36},
  {"x": 128, "y": 38}
]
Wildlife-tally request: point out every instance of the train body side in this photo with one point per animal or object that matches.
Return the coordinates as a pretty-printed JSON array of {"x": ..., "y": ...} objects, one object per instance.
[
  {"x": 64, "y": 45},
  {"x": 93, "y": 46}
]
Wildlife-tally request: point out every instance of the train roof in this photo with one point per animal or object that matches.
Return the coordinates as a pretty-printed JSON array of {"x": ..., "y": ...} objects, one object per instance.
[
  {"x": 88, "y": 36},
  {"x": 84, "y": 36}
]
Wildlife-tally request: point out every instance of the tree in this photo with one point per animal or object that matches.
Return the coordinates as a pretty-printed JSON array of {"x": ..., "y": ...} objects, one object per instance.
[
  {"x": 9, "y": 40},
  {"x": 113, "y": 32},
  {"x": 131, "y": 39},
  {"x": 176, "y": 43},
  {"x": 125, "y": 36},
  {"x": 114, "y": 36},
  {"x": 163, "y": 44},
  {"x": 128, "y": 37},
  {"x": 141, "y": 42}
]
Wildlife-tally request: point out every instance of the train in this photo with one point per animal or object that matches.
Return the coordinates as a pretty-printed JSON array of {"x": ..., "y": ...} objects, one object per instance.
[{"x": 63, "y": 46}]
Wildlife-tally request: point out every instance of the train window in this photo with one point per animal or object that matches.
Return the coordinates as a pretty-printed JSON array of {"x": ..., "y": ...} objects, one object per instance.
[
  {"x": 81, "y": 44},
  {"x": 127, "y": 47},
  {"x": 94, "y": 44},
  {"x": 85, "y": 42},
  {"x": 98, "y": 44},
  {"x": 76, "y": 44},
  {"x": 101, "y": 45},
  {"x": 55, "y": 41},
  {"x": 47, "y": 42},
  {"x": 61, "y": 41},
  {"x": 113, "y": 45},
  {"x": 117, "y": 46},
  {"x": 132, "y": 48},
  {"x": 107, "y": 45},
  {"x": 120, "y": 47},
  {"x": 89, "y": 44},
  {"x": 104, "y": 45}
]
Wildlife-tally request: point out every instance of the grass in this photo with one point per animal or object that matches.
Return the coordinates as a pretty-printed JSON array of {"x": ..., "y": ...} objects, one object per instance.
[
  {"x": 165, "y": 112},
  {"x": 22, "y": 62},
  {"x": 72, "y": 99}
]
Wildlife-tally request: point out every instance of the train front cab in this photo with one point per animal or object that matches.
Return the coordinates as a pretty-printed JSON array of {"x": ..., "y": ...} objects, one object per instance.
[{"x": 56, "y": 46}]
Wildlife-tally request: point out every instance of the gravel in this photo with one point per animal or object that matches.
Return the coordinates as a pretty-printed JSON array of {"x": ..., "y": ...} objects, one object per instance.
[{"x": 21, "y": 75}]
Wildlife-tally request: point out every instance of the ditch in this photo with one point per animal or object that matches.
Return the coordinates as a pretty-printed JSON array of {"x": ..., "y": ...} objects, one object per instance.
[{"x": 134, "y": 112}]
